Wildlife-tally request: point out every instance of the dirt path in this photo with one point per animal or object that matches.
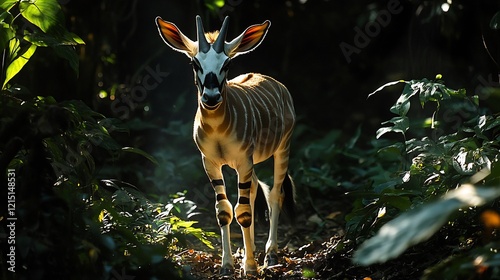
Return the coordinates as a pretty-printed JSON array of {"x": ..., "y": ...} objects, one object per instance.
[
  {"x": 314, "y": 248},
  {"x": 308, "y": 249}
]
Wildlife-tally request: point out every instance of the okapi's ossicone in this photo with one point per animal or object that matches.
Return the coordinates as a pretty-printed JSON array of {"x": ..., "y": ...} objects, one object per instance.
[{"x": 239, "y": 123}]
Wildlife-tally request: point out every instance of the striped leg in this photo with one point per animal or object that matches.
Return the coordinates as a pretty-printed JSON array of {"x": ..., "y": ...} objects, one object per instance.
[
  {"x": 247, "y": 190},
  {"x": 224, "y": 213},
  {"x": 282, "y": 186}
]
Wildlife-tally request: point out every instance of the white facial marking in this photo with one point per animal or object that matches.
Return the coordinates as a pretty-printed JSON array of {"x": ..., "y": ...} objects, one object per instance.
[{"x": 211, "y": 62}]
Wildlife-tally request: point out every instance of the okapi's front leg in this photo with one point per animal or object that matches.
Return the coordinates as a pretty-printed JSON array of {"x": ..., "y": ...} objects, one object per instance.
[
  {"x": 247, "y": 190},
  {"x": 224, "y": 214}
]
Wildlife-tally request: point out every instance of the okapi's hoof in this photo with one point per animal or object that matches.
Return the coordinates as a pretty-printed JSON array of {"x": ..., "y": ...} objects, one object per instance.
[
  {"x": 271, "y": 259},
  {"x": 249, "y": 274},
  {"x": 226, "y": 270}
]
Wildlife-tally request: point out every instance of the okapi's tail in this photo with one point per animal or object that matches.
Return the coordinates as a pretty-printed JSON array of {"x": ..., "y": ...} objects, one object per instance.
[
  {"x": 288, "y": 206},
  {"x": 261, "y": 210}
]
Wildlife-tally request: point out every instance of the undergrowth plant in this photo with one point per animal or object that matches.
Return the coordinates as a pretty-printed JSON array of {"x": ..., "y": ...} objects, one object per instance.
[
  {"x": 451, "y": 151},
  {"x": 71, "y": 224}
]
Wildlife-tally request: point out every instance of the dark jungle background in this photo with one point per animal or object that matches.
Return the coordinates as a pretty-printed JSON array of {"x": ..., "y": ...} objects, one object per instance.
[{"x": 97, "y": 125}]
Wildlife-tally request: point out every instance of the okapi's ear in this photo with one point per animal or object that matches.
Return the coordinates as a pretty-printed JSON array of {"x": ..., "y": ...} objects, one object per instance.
[
  {"x": 248, "y": 40},
  {"x": 174, "y": 38}
]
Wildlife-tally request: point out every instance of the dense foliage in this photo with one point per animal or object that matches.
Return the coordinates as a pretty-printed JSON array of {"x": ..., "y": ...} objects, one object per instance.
[
  {"x": 448, "y": 142},
  {"x": 462, "y": 141},
  {"x": 69, "y": 223},
  {"x": 96, "y": 120}
]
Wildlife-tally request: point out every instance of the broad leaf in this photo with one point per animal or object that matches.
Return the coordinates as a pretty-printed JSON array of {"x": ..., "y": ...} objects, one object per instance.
[
  {"x": 17, "y": 64},
  {"x": 46, "y": 14},
  {"x": 469, "y": 162},
  {"x": 14, "y": 46},
  {"x": 62, "y": 45},
  {"x": 429, "y": 91},
  {"x": 420, "y": 224},
  {"x": 397, "y": 198},
  {"x": 6, "y": 31},
  {"x": 68, "y": 53},
  {"x": 6, "y": 17},
  {"x": 140, "y": 152},
  {"x": 45, "y": 40},
  {"x": 403, "y": 104},
  {"x": 401, "y": 125},
  {"x": 7, "y": 4},
  {"x": 98, "y": 135}
]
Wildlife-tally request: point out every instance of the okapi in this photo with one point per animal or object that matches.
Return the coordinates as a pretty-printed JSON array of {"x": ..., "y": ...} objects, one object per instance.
[{"x": 239, "y": 123}]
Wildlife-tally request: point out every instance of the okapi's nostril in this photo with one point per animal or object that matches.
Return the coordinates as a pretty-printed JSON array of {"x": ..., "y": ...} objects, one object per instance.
[{"x": 211, "y": 99}]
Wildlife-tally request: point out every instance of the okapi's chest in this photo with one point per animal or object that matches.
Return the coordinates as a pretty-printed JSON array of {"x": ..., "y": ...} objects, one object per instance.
[{"x": 217, "y": 142}]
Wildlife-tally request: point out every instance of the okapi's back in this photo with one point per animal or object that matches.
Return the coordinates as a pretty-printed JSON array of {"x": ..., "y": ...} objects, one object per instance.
[{"x": 269, "y": 115}]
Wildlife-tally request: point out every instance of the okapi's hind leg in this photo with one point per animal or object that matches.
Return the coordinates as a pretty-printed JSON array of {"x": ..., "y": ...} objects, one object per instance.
[{"x": 281, "y": 197}]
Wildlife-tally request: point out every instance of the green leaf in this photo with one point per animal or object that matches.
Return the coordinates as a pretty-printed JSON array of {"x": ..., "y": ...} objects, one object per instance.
[
  {"x": 308, "y": 273},
  {"x": 62, "y": 45},
  {"x": 81, "y": 110},
  {"x": 46, "y": 14},
  {"x": 7, "y": 4},
  {"x": 403, "y": 104},
  {"x": 469, "y": 162},
  {"x": 460, "y": 93},
  {"x": 495, "y": 21},
  {"x": 6, "y": 17},
  {"x": 6, "y": 31},
  {"x": 45, "y": 40},
  {"x": 68, "y": 53},
  {"x": 401, "y": 125},
  {"x": 403, "y": 203},
  {"x": 386, "y": 85},
  {"x": 99, "y": 136},
  {"x": 475, "y": 99},
  {"x": 185, "y": 224},
  {"x": 492, "y": 123},
  {"x": 17, "y": 64},
  {"x": 14, "y": 46},
  {"x": 140, "y": 152},
  {"x": 429, "y": 91},
  {"x": 420, "y": 224}
]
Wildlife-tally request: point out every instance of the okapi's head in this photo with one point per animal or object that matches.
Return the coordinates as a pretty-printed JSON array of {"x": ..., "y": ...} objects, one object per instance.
[{"x": 211, "y": 54}]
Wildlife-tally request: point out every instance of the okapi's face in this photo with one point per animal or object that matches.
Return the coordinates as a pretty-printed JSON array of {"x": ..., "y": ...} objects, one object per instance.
[
  {"x": 211, "y": 54},
  {"x": 210, "y": 69}
]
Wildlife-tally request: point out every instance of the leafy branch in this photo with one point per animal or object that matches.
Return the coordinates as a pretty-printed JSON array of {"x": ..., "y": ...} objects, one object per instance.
[
  {"x": 42, "y": 26},
  {"x": 427, "y": 91}
]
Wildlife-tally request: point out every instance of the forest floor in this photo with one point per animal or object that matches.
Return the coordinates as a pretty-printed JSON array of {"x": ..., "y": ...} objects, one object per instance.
[{"x": 313, "y": 248}]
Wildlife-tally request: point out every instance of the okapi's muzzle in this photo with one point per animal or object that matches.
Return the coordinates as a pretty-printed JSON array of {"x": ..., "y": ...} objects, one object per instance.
[
  {"x": 211, "y": 98},
  {"x": 211, "y": 95}
]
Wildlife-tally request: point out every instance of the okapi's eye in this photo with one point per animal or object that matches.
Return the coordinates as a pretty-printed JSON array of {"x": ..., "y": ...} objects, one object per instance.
[{"x": 196, "y": 65}]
